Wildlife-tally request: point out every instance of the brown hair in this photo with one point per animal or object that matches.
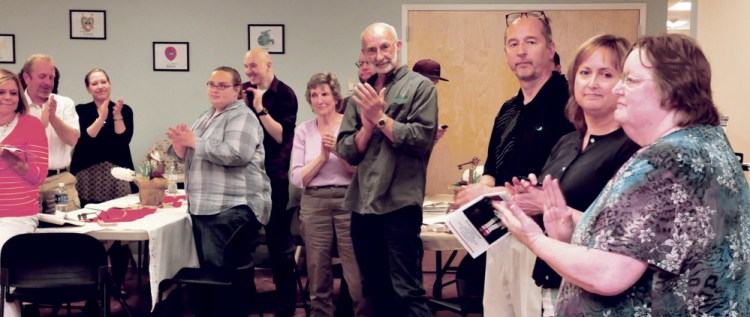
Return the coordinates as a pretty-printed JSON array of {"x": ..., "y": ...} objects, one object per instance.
[
  {"x": 326, "y": 78},
  {"x": 94, "y": 70},
  {"x": 546, "y": 29},
  {"x": 617, "y": 46},
  {"x": 236, "y": 79},
  {"x": 683, "y": 74},
  {"x": 33, "y": 58},
  {"x": 6, "y": 75}
]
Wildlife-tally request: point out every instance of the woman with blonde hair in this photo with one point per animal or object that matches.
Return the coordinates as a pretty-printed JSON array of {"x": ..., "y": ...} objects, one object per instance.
[{"x": 23, "y": 165}]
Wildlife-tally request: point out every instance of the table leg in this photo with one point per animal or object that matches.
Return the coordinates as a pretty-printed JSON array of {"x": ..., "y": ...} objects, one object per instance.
[{"x": 440, "y": 271}]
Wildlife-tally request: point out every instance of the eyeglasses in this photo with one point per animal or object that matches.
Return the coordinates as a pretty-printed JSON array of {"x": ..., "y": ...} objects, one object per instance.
[
  {"x": 372, "y": 51},
  {"x": 219, "y": 86},
  {"x": 360, "y": 64},
  {"x": 631, "y": 82},
  {"x": 510, "y": 17}
]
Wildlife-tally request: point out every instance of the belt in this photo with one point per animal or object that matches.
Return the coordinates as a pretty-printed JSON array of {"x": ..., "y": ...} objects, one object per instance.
[
  {"x": 326, "y": 187},
  {"x": 54, "y": 172}
]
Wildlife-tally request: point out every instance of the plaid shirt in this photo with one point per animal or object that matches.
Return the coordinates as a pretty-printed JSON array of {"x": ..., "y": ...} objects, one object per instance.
[{"x": 226, "y": 168}]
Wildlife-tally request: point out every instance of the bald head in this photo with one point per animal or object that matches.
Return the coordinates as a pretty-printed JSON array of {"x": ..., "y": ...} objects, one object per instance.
[
  {"x": 259, "y": 67},
  {"x": 379, "y": 29},
  {"x": 380, "y": 46}
]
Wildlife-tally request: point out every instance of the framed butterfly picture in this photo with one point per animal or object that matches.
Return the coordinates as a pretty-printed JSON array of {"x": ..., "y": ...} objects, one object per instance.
[{"x": 88, "y": 24}]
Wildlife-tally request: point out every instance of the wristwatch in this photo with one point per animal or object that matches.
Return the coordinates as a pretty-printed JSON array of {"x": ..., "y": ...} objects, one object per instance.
[
  {"x": 381, "y": 122},
  {"x": 262, "y": 112}
]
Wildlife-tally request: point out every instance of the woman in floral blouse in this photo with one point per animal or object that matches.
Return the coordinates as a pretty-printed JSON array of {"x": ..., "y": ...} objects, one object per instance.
[{"x": 670, "y": 234}]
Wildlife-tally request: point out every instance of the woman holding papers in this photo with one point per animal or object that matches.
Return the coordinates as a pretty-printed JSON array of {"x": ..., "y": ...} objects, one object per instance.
[
  {"x": 584, "y": 160},
  {"x": 23, "y": 166},
  {"x": 317, "y": 169},
  {"x": 668, "y": 234}
]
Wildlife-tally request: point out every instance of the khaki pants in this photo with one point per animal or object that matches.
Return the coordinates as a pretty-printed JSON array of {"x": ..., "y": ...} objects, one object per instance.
[
  {"x": 509, "y": 289},
  {"x": 321, "y": 217},
  {"x": 49, "y": 187}
]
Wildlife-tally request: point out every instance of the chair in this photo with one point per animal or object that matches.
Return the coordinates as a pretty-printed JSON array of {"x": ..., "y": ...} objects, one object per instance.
[
  {"x": 54, "y": 269},
  {"x": 263, "y": 259},
  {"x": 237, "y": 255},
  {"x": 470, "y": 289}
]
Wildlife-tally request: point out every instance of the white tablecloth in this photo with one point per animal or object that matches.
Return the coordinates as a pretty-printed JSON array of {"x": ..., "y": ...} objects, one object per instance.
[{"x": 168, "y": 230}]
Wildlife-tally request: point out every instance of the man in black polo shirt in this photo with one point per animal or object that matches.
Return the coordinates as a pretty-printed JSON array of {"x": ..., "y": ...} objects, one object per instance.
[
  {"x": 275, "y": 104},
  {"x": 526, "y": 128}
]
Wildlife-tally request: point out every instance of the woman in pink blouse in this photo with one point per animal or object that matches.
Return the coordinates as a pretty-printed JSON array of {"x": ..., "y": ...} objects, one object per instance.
[
  {"x": 23, "y": 165},
  {"x": 324, "y": 177}
]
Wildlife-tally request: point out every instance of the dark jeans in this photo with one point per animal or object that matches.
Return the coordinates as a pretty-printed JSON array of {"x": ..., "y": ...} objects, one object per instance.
[
  {"x": 281, "y": 248},
  {"x": 389, "y": 253},
  {"x": 212, "y": 232}
]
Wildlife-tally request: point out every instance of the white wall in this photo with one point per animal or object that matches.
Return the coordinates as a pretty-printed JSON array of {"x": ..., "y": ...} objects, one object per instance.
[
  {"x": 321, "y": 35},
  {"x": 723, "y": 32}
]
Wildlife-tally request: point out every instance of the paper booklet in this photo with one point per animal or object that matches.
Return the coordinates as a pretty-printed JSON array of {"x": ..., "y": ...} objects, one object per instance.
[
  {"x": 55, "y": 220},
  {"x": 476, "y": 225}
]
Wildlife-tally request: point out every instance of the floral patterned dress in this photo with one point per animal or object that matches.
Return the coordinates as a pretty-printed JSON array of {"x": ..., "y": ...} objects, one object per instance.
[{"x": 682, "y": 205}]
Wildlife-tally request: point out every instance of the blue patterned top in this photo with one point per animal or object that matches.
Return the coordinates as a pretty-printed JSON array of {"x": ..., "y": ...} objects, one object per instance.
[{"x": 681, "y": 204}]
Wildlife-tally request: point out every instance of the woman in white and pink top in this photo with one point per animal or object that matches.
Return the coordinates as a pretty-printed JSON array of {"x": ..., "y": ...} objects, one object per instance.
[
  {"x": 23, "y": 166},
  {"x": 325, "y": 178}
]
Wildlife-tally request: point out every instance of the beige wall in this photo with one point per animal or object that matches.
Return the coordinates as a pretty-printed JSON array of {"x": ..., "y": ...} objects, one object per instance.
[{"x": 723, "y": 31}]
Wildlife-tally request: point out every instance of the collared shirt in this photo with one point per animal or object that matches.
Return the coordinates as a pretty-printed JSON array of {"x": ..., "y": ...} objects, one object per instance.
[
  {"x": 392, "y": 175},
  {"x": 539, "y": 125},
  {"x": 281, "y": 103},
  {"x": 226, "y": 168},
  {"x": 307, "y": 148},
  {"x": 59, "y": 151},
  {"x": 582, "y": 175}
]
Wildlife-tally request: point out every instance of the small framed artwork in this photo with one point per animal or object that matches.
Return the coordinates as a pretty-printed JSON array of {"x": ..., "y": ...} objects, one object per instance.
[
  {"x": 7, "y": 49},
  {"x": 268, "y": 36},
  {"x": 172, "y": 56},
  {"x": 88, "y": 24}
]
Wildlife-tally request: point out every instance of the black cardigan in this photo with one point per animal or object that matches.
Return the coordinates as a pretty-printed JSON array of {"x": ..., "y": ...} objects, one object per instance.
[{"x": 108, "y": 146}]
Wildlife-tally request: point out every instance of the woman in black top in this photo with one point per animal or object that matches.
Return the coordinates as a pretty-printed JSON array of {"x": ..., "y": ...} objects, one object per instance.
[
  {"x": 105, "y": 142},
  {"x": 584, "y": 160}
]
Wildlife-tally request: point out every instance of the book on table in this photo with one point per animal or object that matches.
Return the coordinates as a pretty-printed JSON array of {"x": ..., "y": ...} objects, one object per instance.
[{"x": 50, "y": 220}]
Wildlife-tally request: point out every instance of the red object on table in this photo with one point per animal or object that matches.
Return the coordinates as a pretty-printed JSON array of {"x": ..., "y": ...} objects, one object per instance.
[
  {"x": 123, "y": 214},
  {"x": 176, "y": 201}
]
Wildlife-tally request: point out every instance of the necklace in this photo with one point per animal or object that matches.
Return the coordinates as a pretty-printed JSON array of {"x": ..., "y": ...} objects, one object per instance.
[{"x": 6, "y": 128}]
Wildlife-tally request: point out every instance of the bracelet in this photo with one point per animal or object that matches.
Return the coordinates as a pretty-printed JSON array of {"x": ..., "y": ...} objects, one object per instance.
[{"x": 118, "y": 119}]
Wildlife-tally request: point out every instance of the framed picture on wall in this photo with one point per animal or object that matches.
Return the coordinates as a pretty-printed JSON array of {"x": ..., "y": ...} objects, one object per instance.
[
  {"x": 172, "y": 56},
  {"x": 268, "y": 36},
  {"x": 7, "y": 49},
  {"x": 88, "y": 24}
]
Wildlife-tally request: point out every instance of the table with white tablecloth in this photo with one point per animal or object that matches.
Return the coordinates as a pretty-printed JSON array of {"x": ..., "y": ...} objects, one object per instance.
[{"x": 168, "y": 231}]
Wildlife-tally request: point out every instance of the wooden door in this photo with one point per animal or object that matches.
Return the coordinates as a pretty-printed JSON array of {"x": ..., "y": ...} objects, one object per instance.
[{"x": 469, "y": 46}]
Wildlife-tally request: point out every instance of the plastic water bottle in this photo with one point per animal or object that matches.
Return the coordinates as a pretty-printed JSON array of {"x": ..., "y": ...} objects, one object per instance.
[
  {"x": 171, "y": 181},
  {"x": 61, "y": 198}
]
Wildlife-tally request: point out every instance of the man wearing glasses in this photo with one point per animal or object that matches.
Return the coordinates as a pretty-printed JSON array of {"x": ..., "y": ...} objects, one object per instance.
[
  {"x": 364, "y": 72},
  {"x": 526, "y": 128},
  {"x": 388, "y": 131},
  {"x": 275, "y": 104}
]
